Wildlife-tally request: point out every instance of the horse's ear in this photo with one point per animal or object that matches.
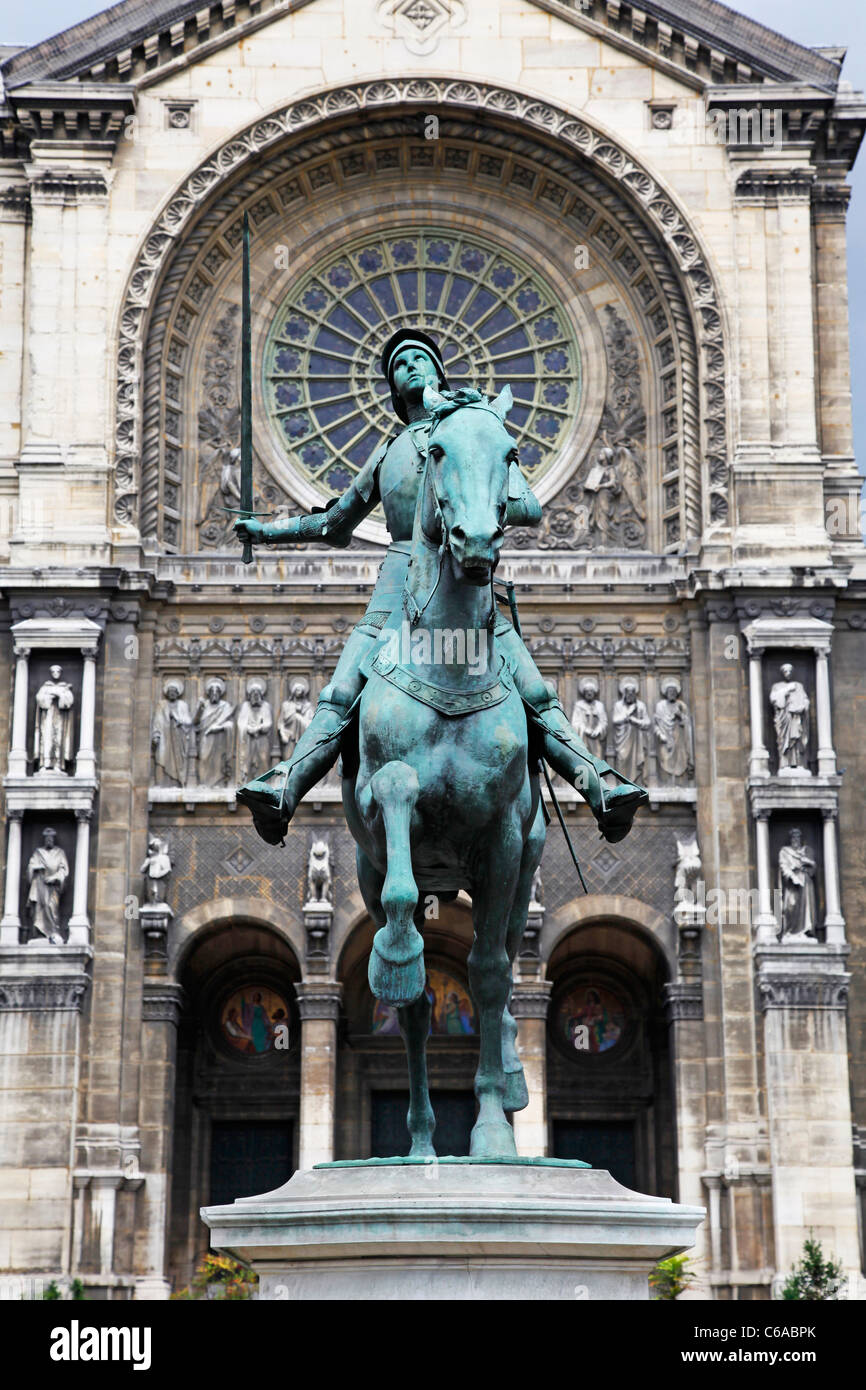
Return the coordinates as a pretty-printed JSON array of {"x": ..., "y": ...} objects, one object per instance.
[
  {"x": 432, "y": 398},
  {"x": 503, "y": 402}
]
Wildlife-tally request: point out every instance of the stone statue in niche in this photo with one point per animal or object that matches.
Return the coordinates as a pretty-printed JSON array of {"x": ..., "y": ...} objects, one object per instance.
[
  {"x": 295, "y": 715},
  {"x": 673, "y": 731},
  {"x": 796, "y": 885},
  {"x": 536, "y": 893},
  {"x": 52, "y": 740},
  {"x": 589, "y": 716},
  {"x": 791, "y": 718},
  {"x": 47, "y": 872},
  {"x": 156, "y": 869},
  {"x": 173, "y": 737},
  {"x": 214, "y": 726},
  {"x": 319, "y": 873},
  {"x": 631, "y": 722},
  {"x": 255, "y": 722},
  {"x": 688, "y": 870}
]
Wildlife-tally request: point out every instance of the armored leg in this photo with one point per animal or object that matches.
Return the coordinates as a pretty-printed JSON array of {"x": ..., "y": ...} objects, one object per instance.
[
  {"x": 614, "y": 807},
  {"x": 273, "y": 798}
]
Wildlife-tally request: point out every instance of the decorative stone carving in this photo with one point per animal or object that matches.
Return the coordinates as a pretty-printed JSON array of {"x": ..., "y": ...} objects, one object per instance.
[
  {"x": 214, "y": 726},
  {"x": 156, "y": 869},
  {"x": 673, "y": 730},
  {"x": 147, "y": 277},
  {"x": 295, "y": 715},
  {"x": 791, "y": 718},
  {"x": 630, "y": 725},
  {"x": 797, "y": 992},
  {"x": 536, "y": 892},
  {"x": 47, "y": 872},
  {"x": 319, "y": 880},
  {"x": 589, "y": 716},
  {"x": 796, "y": 884},
  {"x": 64, "y": 994},
  {"x": 173, "y": 737},
  {"x": 688, "y": 870},
  {"x": 52, "y": 741},
  {"x": 684, "y": 1001},
  {"x": 255, "y": 722}
]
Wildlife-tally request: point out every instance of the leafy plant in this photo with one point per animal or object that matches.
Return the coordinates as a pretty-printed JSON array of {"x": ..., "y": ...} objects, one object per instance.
[
  {"x": 671, "y": 1277},
  {"x": 814, "y": 1279},
  {"x": 52, "y": 1292},
  {"x": 234, "y": 1281}
]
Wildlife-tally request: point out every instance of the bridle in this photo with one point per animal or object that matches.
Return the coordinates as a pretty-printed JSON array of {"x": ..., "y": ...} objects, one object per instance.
[{"x": 414, "y": 611}]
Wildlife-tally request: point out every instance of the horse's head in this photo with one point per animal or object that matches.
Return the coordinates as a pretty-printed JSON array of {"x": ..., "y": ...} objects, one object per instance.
[{"x": 466, "y": 496}]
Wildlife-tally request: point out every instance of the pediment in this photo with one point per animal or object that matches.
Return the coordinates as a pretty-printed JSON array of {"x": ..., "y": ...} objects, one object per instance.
[{"x": 699, "y": 41}]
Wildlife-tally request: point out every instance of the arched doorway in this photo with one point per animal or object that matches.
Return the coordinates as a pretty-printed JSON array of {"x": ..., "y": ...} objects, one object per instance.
[
  {"x": 372, "y": 1084},
  {"x": 609, "y": 1083},
  {"x": 237, "y": 1092}
]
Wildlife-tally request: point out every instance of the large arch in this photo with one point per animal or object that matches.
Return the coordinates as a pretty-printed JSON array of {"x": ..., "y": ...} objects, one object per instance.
[
  {"x": 219, "y": 912},
  {"x": 237, "y": 171}
]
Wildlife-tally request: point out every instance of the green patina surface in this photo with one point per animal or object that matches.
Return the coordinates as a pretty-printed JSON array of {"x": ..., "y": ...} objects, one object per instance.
[{"x": 428, "y": 1162}]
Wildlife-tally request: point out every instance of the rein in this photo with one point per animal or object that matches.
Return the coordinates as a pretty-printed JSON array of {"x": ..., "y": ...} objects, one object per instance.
[{"x": 415, "y": 612}]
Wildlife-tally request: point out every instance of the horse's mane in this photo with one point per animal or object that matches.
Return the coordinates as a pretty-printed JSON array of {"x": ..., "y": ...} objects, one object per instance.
[{"x": 449, "y": 401}]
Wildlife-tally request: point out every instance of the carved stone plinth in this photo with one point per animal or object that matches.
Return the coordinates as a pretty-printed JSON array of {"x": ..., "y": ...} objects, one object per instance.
[
  {"x": 39, "y": 977},
  {"x": 456, "y": 1229},
  {"x": 155, "y": 919},
  {"x": 318, "y": 918}
]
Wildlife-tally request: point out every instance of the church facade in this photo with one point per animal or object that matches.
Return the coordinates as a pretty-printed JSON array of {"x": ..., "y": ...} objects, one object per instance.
[{"x": 633, "y": 215}]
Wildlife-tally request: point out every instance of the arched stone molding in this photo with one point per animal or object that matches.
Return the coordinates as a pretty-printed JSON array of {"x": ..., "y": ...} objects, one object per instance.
[
  {"x": 254, "y": 912},
  {"x": 629, "y": 913},
  {"x": 664, "y": 225}
]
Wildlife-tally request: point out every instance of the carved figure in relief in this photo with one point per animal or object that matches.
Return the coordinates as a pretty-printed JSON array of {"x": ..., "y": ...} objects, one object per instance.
[
  {"x": 319, "y": 873},
  {"x": 796, "y": 885},
  {"x": 630, "y": 725},
  {"x": 47, "y": 872},
  {"x": 295, "y": 715},
  {"x": 255, "y": 722},
  {"x": 589, "y": 716},
  {"x": 173, "y": 737},
  {"x": 791, "y": 718},
  {"x": 673, "y": 730},
  {"x": 688, "y": 869},
  {"x": 214, "y": 725},
  {"x": 52, "y": 742},
  {"x": 156, "y": 869},
  {"x": 536, "y": 892}
]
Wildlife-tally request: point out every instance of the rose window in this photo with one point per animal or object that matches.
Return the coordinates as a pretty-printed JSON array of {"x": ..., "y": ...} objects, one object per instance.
[{"x": 495, "y": 318}]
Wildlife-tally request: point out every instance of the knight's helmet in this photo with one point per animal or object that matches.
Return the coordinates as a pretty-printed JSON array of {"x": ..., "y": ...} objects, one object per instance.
[{"x": 411, "y": 337}]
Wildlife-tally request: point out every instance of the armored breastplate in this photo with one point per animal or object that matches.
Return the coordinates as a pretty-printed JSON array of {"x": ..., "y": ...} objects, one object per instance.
[{"x": 399, "y": 481}]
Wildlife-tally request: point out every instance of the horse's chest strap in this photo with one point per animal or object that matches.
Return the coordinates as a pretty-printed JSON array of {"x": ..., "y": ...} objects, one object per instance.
[{"x": 451, "y": 702}]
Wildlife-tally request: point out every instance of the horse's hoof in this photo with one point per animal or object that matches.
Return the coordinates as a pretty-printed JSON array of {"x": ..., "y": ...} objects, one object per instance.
[
  {"x": 422, "y": 1149},
  {"x": 516, "y": 1093},
  {"x": 493, "y": 1139},
  {"x": 396, "y": 982}
]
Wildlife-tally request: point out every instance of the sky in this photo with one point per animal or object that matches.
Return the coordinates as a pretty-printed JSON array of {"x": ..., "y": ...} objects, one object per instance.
[{"x": 831, "y": 23}]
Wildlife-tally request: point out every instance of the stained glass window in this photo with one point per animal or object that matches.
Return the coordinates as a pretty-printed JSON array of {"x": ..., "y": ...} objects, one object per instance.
[{"x": 496, "y": 320}]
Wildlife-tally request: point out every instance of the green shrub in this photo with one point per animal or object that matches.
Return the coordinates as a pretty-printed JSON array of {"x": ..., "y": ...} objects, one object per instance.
[
  {"x": 671, "y": 1277},
  {"x": 814, "y": 1279}
]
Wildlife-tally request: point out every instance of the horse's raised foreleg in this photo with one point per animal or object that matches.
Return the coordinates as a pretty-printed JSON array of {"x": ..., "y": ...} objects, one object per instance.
[
  {"x": 414, "y": 1020},
  {"x": 396, "y": 968},
  {"x": 516, "y": 1094},
  {"x": 490, "y": 981}
]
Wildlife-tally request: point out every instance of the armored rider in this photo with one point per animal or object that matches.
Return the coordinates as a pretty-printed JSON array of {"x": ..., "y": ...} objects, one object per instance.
[{"x": 410, "y": 362}]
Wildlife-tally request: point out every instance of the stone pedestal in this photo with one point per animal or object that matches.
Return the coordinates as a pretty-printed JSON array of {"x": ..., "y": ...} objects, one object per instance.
[{"x": 457, "y": 1229}]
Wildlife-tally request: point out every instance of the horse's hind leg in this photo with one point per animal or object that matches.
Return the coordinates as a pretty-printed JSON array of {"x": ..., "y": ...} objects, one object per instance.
[
  {"x": 516, "y": 1093},
  {"x": 414, "y": 1020},
  {"x": 396, "y": 968}
]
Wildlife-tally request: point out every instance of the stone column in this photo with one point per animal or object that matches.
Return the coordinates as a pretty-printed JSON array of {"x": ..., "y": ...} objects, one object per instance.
[
  {"x": 85, "y": 763},
  {"x": 833, "y": 921},
  {"x": 79, "y": 922},
  {"x": 759, "y": 758},
  {"x": 10, "y": 927},
  {"x": 18, "y": 753},
  {"x": 826, "y": 752},
  {"x": 803, "y": 989},
  {"x": 162, "y": 1006},
  {"x": 319, "y": 1007},
  {"x": 766, "y": 925},
  {"x": 529, "y": 1003}
]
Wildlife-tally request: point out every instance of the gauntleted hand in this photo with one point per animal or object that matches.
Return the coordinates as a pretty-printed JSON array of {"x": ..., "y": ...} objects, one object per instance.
[{"x": 248, "y": 529}]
